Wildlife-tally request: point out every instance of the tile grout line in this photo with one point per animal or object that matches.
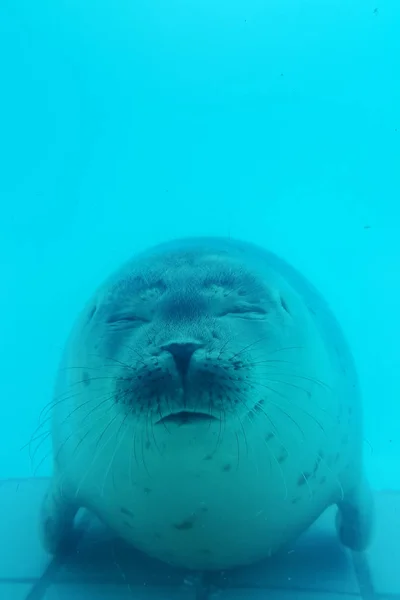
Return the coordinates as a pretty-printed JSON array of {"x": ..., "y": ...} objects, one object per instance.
[
  {"x": 363, "y": 574},
  {"x": 39, "y": 589}
]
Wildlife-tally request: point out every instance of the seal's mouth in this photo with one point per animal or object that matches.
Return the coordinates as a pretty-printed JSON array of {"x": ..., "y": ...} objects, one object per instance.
[{"x": 185, "y": 417}]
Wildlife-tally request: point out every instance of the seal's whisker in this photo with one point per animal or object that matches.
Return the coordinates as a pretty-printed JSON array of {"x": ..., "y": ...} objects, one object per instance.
[
  {"x": 143, "y": 449},
  {"x": 86, "y": 368},
  {"x": 247, "y": 347},
  {"x": 250, "y": 416},
  {"x": 97, "y": 452},
  {"x": 267, "y": 416},
  {"x": 33, "y": 454},
  {"x": 238, "y": 448},
  {"x": 287, "y": 383},
  {"x": 132, "y": 456},
  {"x": 117, "y": 447},
  {"x": 269, "y": 352},
  {"x": 79, "y": 428},
  {"x": 87, "y": 429},
  {"x": 272, "y": 453},
  {"x": 272, "y": 362},
  {"x": 306, "y": 481},
  {"x": 149, "y": 420},
  {"x": 320, "y": 383},
  {"x": 285, "y": 413},
  {"x": 131, "y": 349},
  {"x": 299, "y": 407},
  {"x": 162, "y": 418},
  {"x": 33, "y": 439},
  {"x": 316, "y": 406},
  {"x": 37, "y": 448},
  {"x": 46, "y": 410},
  {"x": 222, "y": 424},
  {"x": 335, "y": 476},
  {"x": 221, "y": 350},
  {"x": 66, "y": 396},
  {"x": 276, "y": 434},
  {"x": 135, "y": 351},
  {"x": 114, "y": 360},
  {"x": 294, "y": 403}
]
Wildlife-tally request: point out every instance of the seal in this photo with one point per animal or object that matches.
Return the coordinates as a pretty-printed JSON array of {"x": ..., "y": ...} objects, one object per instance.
[{"x": 207, "y": 409}]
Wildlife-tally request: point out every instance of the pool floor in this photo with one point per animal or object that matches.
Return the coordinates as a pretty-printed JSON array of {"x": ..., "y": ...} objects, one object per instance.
[{"x": 101, "y": 567}]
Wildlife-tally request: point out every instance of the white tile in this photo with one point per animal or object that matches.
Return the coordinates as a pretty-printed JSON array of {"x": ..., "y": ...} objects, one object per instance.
[
  {"x": 252, "y": 594},
  {"x": 116, "y": 592},
  {"x": 14, "y": 591},
  {"x": 384, "y": 555},
  {"x": 21, "y": 555},
  {"x": 316, "y": 562},
  {"x": 102, "y": 558}
]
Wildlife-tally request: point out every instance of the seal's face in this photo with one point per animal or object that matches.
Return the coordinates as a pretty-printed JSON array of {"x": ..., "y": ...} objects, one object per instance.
[
  {"x": 192, "y": 337},
  {"x": 199, "y": 405}
]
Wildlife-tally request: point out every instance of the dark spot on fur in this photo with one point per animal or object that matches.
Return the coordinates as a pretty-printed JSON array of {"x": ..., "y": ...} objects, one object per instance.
[
  {"x": 49, "y": 525},
  {"x": 285, "y": 306},
  {"x": 304, "y": 477},
  {"x": 283, "y": 456},
  {"x": 208, "y": 457},
  {"x": 269, "y": 436},
  {"x": 147, "y": 490},
  {"x": 186, "y": 524},
  {"x": 204, "y": 508},
  {"x": 126, "y": 511},
  {"x": 316, "y": 466},
  {"x": 147, "y": 445},
  {"x": 91, "y": 313},
  {"x": 86, "y": 378},
  {"x": 127, "y": 524},
  {"x": 206, "y": 551},
  {"x": 322, "y": 480},
  {"x": 296, "y": 500},
  {"x": 227, "y": 467}
]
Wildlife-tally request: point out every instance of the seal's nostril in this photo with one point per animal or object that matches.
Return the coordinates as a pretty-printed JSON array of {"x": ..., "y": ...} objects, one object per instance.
[{"x": 182, "y": 353}]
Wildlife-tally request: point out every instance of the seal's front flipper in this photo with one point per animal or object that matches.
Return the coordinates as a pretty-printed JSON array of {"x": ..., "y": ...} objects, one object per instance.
[
  {"x": 56, "y": 520},
  {"x": 355, "y": 517}
]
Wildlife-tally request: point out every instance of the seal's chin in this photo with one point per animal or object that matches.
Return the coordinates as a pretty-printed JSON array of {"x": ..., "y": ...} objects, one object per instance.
[{"x": 185, "y": 417}]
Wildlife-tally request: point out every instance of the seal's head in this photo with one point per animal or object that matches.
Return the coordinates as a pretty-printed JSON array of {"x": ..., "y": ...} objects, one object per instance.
[
  {"x": 194, "y": 335},
  {"x": 207, "y": 408}
]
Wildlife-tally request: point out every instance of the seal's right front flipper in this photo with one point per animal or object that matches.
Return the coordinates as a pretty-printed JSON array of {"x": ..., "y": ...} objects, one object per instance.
[
  {"x": 56, "y": 520},
  {"x": 356, "y": 517}
]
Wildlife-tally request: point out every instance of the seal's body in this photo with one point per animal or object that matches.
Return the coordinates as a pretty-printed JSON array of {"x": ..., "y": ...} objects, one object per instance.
[{"x": 207, "y": 409}]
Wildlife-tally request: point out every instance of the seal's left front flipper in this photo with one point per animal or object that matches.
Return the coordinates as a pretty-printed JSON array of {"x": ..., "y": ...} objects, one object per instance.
[
  {"x": 355, "y": 517},
  {"x": 57, "y": 520}
]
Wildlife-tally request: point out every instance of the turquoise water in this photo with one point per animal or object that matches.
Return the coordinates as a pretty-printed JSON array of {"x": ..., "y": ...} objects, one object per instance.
[{"x": 124, "y": 124}]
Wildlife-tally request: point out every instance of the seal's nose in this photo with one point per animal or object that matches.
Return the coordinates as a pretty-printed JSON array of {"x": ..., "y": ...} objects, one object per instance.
[{"x": 182, "y": 353}]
